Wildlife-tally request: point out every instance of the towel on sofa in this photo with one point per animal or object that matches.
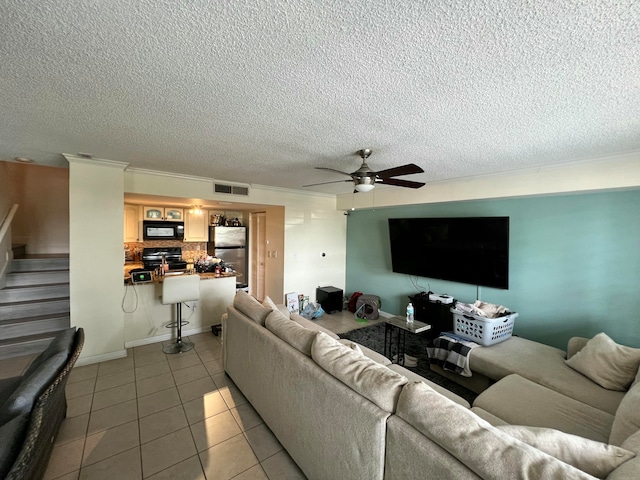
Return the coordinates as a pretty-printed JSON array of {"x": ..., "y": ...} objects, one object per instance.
[{"x": 451, "y": 353}]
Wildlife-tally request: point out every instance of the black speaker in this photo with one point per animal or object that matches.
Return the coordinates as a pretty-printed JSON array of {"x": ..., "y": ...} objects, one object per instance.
[{"x": 329, "y": 298}]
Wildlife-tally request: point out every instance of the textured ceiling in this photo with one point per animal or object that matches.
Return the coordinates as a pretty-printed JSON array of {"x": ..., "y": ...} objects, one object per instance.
[{"x": 262, "y": 91}]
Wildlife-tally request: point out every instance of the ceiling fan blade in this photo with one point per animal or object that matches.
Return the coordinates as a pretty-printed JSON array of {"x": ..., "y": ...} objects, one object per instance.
[
  {"x": 407, "y": 169},
  {"x": 332, "y": 170},
  {"x": 327, "y": 183},
  {"x": 401, "y": 183}
]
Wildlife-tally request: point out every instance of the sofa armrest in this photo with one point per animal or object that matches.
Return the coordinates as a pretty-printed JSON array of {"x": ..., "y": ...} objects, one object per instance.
[{"x": 574, "y": 345}]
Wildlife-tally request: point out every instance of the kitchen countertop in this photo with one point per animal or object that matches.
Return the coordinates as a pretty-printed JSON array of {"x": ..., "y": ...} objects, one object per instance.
[{"x": 158, "y": 279}]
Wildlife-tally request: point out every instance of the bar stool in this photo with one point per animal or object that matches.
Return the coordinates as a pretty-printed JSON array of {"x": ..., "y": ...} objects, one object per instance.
[{"x": 176, "y": 290}]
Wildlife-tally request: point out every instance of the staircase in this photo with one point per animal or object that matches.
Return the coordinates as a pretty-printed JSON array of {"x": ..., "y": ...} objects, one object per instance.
[{"x": 34, "y": 305}]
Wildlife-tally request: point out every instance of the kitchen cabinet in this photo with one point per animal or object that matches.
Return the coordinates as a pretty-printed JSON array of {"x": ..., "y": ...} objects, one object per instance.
[
  {"x": 196, "y": 228},
  {"x": 163, "y": 213},
  {"x": 131, "y": 223}
]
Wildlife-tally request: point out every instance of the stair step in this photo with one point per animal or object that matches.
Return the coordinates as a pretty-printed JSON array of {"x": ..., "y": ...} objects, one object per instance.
[
  {"x": 37, "y": 278},
  {"x": 16, "y": 347},
  {"x": 28, "y": 326},
  {"x": 16, "y": 310},
  {"x": 39, "y": 264},
  {"x": 38, "y": 292}
]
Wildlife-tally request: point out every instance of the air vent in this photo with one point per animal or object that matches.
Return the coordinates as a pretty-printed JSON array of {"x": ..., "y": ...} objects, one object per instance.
[{"x": 231, "y": 189}]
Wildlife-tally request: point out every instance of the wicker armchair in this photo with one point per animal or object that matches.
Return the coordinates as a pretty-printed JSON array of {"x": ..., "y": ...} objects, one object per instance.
[{"x": 44, "y": 422}]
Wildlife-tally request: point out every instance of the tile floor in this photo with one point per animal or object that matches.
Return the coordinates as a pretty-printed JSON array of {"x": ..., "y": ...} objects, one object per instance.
[{"x": 157, "y": 416}]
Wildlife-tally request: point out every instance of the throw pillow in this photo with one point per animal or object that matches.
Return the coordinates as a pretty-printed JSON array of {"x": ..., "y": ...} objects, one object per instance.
[
  {"x": 595, "y": 458},
  {"x": 251, "y": 307},
  {"x": 610, "y": 365},
  {"x": 267, "y": 302},
  {"x": 370, "y": 379},
  {"x": 63, "y": 342}
]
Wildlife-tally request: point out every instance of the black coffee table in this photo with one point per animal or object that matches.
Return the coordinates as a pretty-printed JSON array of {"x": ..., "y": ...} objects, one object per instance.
[{"x": 400, "y": 327}]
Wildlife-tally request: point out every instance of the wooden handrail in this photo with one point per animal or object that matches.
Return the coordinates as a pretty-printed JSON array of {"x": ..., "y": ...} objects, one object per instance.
[{"x": 7, "y": 221}]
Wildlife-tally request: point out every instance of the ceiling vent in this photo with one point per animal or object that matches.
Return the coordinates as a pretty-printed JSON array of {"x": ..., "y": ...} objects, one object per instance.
[{"x": 227, "y": 189}]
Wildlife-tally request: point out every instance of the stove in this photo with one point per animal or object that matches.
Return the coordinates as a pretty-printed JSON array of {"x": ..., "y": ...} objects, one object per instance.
[{"x": 152, "y": 258}]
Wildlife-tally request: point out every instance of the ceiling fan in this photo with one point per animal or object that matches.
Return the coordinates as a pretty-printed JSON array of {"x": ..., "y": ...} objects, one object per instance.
[{"x": 364, "y": 179}]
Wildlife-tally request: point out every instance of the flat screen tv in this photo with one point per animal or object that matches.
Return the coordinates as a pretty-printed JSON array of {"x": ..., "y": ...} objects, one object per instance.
[{"x": 472, "y": 250}]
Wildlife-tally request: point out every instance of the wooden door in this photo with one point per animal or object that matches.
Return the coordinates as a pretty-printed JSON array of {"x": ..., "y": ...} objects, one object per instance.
[{"x": 257, "y": 234}]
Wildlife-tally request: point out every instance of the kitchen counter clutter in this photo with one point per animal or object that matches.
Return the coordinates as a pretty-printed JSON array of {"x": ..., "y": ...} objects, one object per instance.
[{"x": 158, "y": 279}]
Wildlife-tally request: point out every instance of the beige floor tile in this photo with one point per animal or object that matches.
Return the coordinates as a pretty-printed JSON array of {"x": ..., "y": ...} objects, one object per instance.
[
  {"x": 155, "y": 384},
  {"x": 84, "y": 372},
  {"x": 167, "y": 451},
  {"x": 115, "y": 366},
  {"x": 214, "y": 430},
  {"x": 140, "y": 360},
  {"x": 189, "y": 374},
  {"x": 70, "y": 476},
  {"x": 65, "y": 459},
  {"x": 107, "y": 443},
  {"x": 113, "y": 396},
  {"x": 263, "y": 442},
  {"x": 72, "y": 429},
  {"x": 156, "y": 402},
  {"x": 79, "y": 405},
  {"x": 123, "y": 466},
  {"x": 202, "y": 337},
  {"x": 189, "y": 469},
  {"x": 184, "y": 360},
  {"x": 228, "y": 459},
  {"x": 144, "y": 349},
  {"x": 196, "y": 389},
  {"x": 115, "y": 380},
  {"x": 207, "y": 406},
  {"x": 281, "y": 466},
  {"x": 214, "y": 366},
  {"x": 231, "y": 394},
  {"x": 113, "y": 416},
  {"x": 78, "y": 389},
  {"x": 10, "y": 374},
  {"x": 246, "y": 416},
  {"x": 152, "y": 370},
  {"x": 254, "y": 473},
  {"x": 161, "y": 423}
]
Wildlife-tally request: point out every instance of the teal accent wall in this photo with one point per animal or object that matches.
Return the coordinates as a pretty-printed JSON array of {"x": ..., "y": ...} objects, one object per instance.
[{"x": 574, "y": 263}]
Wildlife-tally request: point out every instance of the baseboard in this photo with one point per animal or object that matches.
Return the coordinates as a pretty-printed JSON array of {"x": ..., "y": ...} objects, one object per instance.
[
  {"x": 100, "y": 358},
  {"x": 167, "y": 336}
]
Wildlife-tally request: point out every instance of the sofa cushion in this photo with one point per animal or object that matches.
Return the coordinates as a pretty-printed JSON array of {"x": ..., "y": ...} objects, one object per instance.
[
  {"x": 627, "y": 419},
  {"x": 251, "y": 307},
  {"x": 519, "y": 401},
  {"x": 596, "y": 458},
  {"x": 310, "y": 325},
  {"x": 12, "y": 434},
  {"x": 7, "y": 387},
  {"x": 62, "y": 343},
  {"x": 370, "y": 379},
  {"x": 295, "y": 335},
  {"x": 543, "y": 365},
  {"x": 267, "y": 302},
  {"x": 25, "y": 395},
  {"x": 487, "y": 451},
  {"x": 610, "y": 365}
]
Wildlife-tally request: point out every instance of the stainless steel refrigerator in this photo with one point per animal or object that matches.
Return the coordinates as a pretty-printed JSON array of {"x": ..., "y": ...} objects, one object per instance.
[{"x": 230, "y": 245}]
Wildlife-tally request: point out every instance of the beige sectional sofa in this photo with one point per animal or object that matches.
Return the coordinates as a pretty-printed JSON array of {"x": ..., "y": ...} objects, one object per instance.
[{"x": 340, "y": 413}]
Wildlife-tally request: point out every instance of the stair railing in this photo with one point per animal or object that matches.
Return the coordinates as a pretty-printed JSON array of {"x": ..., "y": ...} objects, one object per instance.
[{"x": 5, "y": 243}]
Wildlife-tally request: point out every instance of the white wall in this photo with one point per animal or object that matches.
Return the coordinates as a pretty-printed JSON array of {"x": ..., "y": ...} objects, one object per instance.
[
  {"x": 614, "y": 172},
  {"x": 96, "y": 200}
]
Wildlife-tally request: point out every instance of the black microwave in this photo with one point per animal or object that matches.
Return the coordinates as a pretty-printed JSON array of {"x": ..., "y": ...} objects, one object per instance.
[{"x": 158, "y": 230}]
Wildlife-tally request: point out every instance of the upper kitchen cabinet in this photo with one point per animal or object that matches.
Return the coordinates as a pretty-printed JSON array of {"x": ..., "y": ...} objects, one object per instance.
[
  {"x": 131, "y": 223},
  {"x": 163, "y": 213},
  {"x": 196, "y": 227}
]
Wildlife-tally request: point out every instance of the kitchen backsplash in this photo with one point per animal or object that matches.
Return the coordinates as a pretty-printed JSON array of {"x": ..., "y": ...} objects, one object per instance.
[{"x": 190, "y": 250}]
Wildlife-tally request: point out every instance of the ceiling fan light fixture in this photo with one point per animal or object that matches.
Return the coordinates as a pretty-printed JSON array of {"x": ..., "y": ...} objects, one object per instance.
[{"x": 364, "y": 187}]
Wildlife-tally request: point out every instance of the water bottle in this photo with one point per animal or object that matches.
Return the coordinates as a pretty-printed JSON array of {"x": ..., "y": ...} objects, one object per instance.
[{"x": 410, "y": 313}]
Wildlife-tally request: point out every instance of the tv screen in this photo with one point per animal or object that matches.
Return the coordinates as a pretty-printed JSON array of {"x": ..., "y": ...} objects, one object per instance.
[{"x": 472, "y": 250}]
